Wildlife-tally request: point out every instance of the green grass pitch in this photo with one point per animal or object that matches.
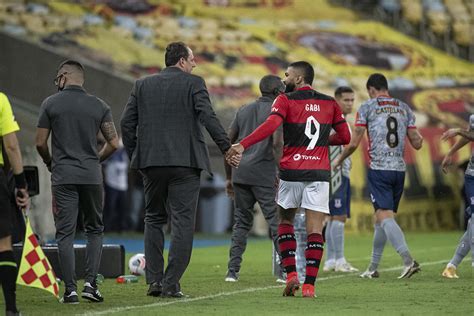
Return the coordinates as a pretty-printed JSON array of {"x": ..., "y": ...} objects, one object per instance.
[{"x": 257, "y": 293}]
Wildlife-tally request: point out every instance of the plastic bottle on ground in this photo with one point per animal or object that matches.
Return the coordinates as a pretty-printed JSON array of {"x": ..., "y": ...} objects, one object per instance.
[
  {"x": 300, "y": 235},
  {"x": 127, "y": 279}
]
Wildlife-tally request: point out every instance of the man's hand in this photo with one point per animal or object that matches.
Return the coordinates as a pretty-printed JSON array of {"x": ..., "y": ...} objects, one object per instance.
[
  {"x": 229, "y": 189},
  {"x": 337, "y": 164},
  {"x": 234, "y": 155},
  {"x": 22, "y": 198},
  {"x": 447, "y": 162},
  {"x": 450, "y": 133}
]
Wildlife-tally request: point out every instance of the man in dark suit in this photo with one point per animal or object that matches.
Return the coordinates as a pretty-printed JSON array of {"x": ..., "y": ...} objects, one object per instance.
[{"x": 161, "y": 128}]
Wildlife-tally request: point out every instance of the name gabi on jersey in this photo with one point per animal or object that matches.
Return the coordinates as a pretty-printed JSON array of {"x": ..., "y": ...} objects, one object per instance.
[
  {"x": 312, "y": 107},
  {"x": 389, "y": 110}
]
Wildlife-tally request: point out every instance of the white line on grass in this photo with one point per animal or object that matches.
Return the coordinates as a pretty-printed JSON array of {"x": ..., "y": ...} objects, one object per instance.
[{"x": 222, "y": 294}]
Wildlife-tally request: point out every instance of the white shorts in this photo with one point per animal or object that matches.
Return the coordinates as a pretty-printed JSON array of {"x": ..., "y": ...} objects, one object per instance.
[{"x": 309, "y": 195}]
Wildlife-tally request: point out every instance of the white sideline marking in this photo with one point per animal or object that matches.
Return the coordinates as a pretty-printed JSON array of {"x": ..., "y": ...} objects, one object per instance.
[{"x": 222, "y": 294}]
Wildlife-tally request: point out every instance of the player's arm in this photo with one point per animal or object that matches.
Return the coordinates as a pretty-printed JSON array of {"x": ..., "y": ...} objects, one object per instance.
[
  {"x": 448, "y": 159},
  {"x": 112, "y": 141},
  {"x": 265, "y": 129},
  {"x": 467, "y": 134},
  {"x": 415, "y": 138},
  {"x": 12, "y": 148},
  {"x": 359, "y": 132},
  {"x": 42, "y": 135},
  {"x": 342, "y": 135},
  {"x": 340, "y": 126},
  {"x": 453, "y": 132}
]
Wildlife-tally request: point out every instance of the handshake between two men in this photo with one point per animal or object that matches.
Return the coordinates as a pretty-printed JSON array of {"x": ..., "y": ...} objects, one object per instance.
[{"x": 234, "y": 155}]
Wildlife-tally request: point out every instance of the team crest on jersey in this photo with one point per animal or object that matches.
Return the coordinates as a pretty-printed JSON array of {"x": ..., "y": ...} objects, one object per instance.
[
  {"x": 337, "y": 203},
  {"x": 472, "y": 200}
]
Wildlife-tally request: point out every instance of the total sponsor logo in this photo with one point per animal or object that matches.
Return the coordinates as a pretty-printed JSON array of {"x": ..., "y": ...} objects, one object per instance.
[{"x": 297, "y": 157}]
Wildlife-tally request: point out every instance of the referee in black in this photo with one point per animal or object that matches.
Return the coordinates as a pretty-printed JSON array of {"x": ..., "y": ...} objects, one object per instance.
[
  {"x": 255, "y": 179},
  {"x": 8, "y": 267},
  {"x": 74, "y": 118}
]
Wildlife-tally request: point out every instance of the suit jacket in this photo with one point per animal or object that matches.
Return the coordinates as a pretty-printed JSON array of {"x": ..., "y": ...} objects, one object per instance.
[{"x": 162, "y": 122}]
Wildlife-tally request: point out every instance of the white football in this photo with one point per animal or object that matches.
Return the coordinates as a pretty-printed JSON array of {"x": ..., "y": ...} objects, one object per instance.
[{"x": 137, "y": 264}]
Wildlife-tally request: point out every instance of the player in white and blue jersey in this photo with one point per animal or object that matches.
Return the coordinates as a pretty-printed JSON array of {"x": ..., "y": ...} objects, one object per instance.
[
  {"x": 340, "y": 203},
  {"x": 467, "y": 240},
  {"x": 388, "y": 122}
]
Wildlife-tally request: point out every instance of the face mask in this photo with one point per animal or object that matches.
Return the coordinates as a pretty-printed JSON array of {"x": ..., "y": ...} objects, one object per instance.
[
  {"x": 60, "y": 88},
  {"x": 57, "y": 82}
]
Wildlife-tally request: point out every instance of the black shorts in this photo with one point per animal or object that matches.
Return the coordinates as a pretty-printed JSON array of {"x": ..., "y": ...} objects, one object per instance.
[{"x": 5, "y": 207}]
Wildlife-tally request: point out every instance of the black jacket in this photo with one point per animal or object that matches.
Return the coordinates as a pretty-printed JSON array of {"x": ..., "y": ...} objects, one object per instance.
[{"x": 162, "y": 122}]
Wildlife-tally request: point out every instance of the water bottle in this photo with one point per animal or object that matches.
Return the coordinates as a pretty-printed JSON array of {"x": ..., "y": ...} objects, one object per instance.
[
  {"x": 300, "y": 235},
  {"x": 99, "y": 279},
  {"x": 276, "y": 264},
  {"x": 127, "y": 279}
]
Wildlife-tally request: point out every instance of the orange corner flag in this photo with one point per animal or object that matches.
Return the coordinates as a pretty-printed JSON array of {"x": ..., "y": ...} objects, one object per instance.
[{"x": 35, "y": 270}]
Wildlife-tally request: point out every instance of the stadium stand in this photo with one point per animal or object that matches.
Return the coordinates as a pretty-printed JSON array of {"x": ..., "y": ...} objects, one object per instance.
[{"x": 444, "y": 24}]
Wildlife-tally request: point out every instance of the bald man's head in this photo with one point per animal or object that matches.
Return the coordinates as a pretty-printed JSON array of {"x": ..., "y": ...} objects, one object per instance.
[{"x": 70, "y": 72}]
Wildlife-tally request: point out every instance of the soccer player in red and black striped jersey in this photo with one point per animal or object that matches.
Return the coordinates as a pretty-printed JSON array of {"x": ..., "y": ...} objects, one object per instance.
[{"x": 307, "y": 117}]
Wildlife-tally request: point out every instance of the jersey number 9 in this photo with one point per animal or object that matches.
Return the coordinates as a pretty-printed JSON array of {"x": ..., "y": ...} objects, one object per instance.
[{"x": 312, "y": 123}]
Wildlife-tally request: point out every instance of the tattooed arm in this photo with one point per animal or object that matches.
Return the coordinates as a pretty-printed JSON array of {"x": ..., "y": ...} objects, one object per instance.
[
  {"x": 349, "y": 149},
  {"x": 112, "y": 141}
]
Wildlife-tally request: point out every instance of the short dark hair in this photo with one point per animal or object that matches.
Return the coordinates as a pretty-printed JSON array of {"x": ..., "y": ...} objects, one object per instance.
[
  {"x": 306, "y": 68},
  {"x": 174, "y": 52},
  {"x": 377, "y": 81},
  {"x": 343, "y": 89},
  {"x": 269, "y": 84},
  {"x": 73, "y": 63}
]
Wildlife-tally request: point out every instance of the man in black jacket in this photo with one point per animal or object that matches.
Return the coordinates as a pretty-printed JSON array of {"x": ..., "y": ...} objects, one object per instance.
[{"x": 161, "y": 130}]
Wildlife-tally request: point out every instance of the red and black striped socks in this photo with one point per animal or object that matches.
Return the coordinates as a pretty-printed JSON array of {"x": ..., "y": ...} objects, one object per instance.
[
  {"x": 313, "y": 253},
  {"x": 287, "y": 245}
]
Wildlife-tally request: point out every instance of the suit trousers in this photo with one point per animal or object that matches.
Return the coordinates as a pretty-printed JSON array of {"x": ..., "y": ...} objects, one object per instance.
[
  {"x": 245, "y": 198},
  {"x": 69, "y": 199},
  {"x": 171, "y": 193}
]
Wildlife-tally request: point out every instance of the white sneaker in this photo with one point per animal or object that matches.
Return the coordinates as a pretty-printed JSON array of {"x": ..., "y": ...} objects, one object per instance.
[
  {"x": 345, "y": 267},
  {"x": 369, "y": 274},
  {"x": 329, "y": 265}
]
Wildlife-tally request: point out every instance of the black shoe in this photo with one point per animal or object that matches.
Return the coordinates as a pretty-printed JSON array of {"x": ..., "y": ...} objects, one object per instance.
[
  {"x": 155, "y": 289},
  {"x": 10, "y": 313},
  {"x": 410, "y": 270},
  {"x": 91, "y": 293},
  {"x": 70, "y": 298},
  {"x": 170, "y": 294},
  {"x": 232, "y": 276}
]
